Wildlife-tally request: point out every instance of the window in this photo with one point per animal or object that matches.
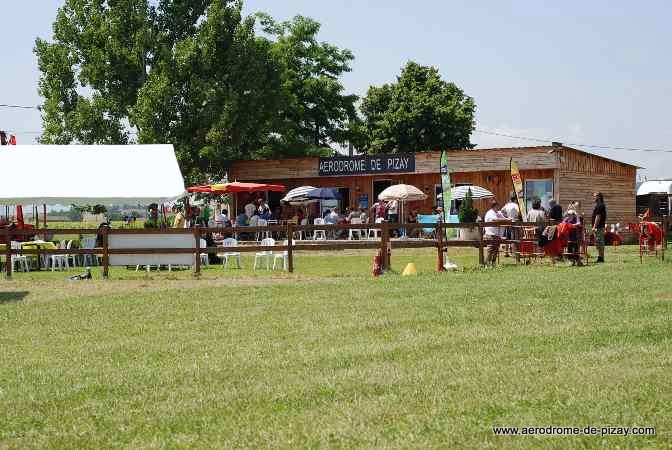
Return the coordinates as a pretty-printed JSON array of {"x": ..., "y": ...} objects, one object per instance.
[{"x": 542, "y": 189}]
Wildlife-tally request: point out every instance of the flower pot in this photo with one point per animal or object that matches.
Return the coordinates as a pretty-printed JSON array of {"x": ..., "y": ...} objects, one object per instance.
[{"x": 469, "y": 234}]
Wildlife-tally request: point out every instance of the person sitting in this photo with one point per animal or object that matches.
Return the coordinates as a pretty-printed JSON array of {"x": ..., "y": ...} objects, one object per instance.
[
  {"x": 363, "y": 215},
  {"x": 412, "y": 217},
  {"x": 179, "y": 221},
  {"x": 242, "y": 221},
  {"x": 573, "y": 218},
  {"x": 223, "y": 218},
  {"x": 333, "y": 218},
  {"x": 352, "y": 213}
]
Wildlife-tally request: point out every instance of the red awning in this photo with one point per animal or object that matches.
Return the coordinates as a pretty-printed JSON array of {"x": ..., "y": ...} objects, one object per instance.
[{"x": 236, "y": 187}]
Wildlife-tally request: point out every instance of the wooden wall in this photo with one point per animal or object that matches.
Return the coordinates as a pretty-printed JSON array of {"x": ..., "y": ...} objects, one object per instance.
[
  {"x": 576, "y": 175},
  {"x": 581, "y": 174},
  {"x": 426, "y": 162},
  {"x": 498, "y": 182}
]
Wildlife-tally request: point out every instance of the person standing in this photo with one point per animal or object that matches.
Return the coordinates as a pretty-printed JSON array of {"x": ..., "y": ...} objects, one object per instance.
[
  {"x": 511, "y": 211},
  {"x": 598, "y": 221},
  {"x": 555, "y": 213},
  {"x": 493, "y": 234}
]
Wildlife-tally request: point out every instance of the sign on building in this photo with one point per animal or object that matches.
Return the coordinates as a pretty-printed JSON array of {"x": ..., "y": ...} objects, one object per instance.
[{"x": 367, "y": 165}]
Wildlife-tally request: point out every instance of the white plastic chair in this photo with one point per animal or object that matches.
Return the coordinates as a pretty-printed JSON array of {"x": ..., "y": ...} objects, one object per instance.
[
  {"x": 19, "y": 260},
  {"x": 353, "y": 231},
  {"x": 204, "y": 256},
  {"x": 284, "y": 256},
  {"x": 59, "y": 260},
  {"x": 319, "y": 234},
  {"x": 68, "y": 246},
  {"x": 88, "y": 243},
  {"x": 263, "y": 234},
  {"x": 376, "y": 231},
  {"x": 266, "y": 254},
  {"x": 303, "y": 234},
  {"x": 230, "y": 242}
]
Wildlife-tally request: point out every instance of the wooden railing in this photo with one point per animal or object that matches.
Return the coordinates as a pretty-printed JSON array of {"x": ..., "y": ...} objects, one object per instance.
[{"x": 384, "y": 243}]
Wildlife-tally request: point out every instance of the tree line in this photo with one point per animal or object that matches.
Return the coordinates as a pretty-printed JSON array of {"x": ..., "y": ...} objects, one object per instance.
[{"x": 221, "y": 86}]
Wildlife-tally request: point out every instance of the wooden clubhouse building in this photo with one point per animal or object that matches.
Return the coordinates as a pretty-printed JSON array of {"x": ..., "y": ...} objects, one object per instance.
[{"x": 556, "y": 171}]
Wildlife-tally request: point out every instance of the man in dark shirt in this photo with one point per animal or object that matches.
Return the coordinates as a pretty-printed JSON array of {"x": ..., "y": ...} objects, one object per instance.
[
  {"x": 598, "y": 221},
  {"x": 555, "y": 212}
]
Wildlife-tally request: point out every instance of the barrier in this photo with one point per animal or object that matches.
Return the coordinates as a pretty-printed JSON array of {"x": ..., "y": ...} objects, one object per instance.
[{"x": 119, "y": 245}]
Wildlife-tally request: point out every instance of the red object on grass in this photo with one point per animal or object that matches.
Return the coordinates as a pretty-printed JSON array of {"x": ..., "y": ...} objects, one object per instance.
[{"x": 236, "y": 187}]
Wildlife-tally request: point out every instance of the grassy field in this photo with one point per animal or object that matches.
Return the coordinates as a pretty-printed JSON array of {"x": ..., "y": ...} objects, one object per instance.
[{"x": 330, "y": 357}]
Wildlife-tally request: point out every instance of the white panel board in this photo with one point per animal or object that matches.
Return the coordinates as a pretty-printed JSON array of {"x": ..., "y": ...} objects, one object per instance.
[{"x": 122, "y": 241}]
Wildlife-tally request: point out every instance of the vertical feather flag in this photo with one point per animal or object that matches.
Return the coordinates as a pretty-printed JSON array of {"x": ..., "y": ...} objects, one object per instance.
[
  {"x": 518, "y": 187},
  {"x": 445, "y": 186}
]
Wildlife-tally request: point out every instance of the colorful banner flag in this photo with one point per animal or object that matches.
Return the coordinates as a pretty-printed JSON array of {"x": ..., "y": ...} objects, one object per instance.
[
  {"x": 445, "y": 187},
  {"x": 519, "y": 189}
]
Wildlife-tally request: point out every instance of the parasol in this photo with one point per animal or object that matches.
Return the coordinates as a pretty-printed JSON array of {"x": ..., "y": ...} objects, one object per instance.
[{"x": 477, "y": 192}]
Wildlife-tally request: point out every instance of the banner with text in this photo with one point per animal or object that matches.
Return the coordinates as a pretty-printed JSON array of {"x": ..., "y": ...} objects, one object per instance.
[
  {"x": 367, "y": 165},
  {"x": 518, "y": 187}
]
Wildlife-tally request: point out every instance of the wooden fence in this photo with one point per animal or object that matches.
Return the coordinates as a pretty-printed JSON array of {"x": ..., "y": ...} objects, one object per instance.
[{"x": 384, "y": 243}]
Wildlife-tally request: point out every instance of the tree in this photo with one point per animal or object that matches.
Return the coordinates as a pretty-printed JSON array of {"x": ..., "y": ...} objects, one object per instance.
[
  {"x": 420, "y": 112},
  {"x": 315, "y": 113},
  {"x": 189, "y": 73}
]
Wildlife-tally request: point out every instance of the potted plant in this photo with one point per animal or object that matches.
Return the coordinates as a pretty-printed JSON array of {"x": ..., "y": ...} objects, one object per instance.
[{"x": 468, "y": 214}]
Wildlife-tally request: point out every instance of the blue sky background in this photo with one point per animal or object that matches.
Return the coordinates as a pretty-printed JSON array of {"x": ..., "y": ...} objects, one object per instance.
[{"x": 593, "y": 72}]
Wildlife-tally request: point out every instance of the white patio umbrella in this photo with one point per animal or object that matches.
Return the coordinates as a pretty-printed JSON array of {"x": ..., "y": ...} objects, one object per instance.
[
  {"x": 460, "y": 192},
  {"x": 402, "y": 193},
  {"x": 298, "y": 195}
]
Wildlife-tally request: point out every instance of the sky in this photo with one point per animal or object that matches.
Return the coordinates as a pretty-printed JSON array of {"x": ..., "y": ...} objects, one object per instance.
[{"x": 591, "y": 73}]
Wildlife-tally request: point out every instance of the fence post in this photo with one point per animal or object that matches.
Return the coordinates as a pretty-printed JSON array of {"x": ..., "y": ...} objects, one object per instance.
[
  {"x": 384, "y": 242},
  {"x": 439, "y": 246},
  {"x": 290, "y": 253},
  {"x": 481, "y": 256},
  {"x": 8, "y": 254},
  {"x": 666, "y": 224},
  {"x": 106, "y": 252},
  {"x": 197, "y": 238}
]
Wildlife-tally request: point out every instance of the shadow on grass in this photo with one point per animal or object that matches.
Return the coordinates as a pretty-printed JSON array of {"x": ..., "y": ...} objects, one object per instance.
[{"x": 8, "y": 297}]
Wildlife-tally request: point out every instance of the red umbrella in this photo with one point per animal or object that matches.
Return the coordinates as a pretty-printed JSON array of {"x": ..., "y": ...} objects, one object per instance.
[{"x": 236, "y": 187}]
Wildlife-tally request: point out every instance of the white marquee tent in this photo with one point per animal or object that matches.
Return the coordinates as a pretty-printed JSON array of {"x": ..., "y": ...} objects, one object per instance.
[{"x": 89, "y": 174}]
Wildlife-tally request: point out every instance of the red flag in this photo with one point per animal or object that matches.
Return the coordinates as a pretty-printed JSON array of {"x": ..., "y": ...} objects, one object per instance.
[{"x": 12, "y": 139}]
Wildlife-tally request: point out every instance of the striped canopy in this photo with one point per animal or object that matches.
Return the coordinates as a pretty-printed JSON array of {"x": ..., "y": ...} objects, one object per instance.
[
  {"x": 477, "y": 192},
  {"x": 236, "y": 187},
  {"x": 298, "y": 194}
]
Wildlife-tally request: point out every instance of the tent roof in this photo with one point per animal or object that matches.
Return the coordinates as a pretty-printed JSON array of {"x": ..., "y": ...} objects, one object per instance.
[
  {"x": 655, "y": 186},
  {"x": 89, "y": 174}
]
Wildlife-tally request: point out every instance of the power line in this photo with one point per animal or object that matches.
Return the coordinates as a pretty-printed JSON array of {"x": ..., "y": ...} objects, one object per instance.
[
  {"x": 604, "y": 147},
  {"x": 18, "y": 106}
]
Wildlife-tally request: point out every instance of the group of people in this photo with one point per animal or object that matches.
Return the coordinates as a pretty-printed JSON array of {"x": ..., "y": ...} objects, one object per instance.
[{"x": 511, "y": 212}]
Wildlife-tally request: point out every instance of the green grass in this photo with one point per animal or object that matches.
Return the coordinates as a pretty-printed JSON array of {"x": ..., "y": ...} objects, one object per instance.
[{"x": 331, "y": 357}]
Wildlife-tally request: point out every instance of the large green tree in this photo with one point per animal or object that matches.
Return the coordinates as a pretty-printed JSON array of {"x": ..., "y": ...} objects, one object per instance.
[
  {"x": 316, "y": 112},
  {"x": 420, "y": 112},
  {"x": 191, "y": 73}
]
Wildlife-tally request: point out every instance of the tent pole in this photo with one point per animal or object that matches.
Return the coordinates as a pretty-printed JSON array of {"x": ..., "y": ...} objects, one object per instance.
[{"x": 44, "y": 215}]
